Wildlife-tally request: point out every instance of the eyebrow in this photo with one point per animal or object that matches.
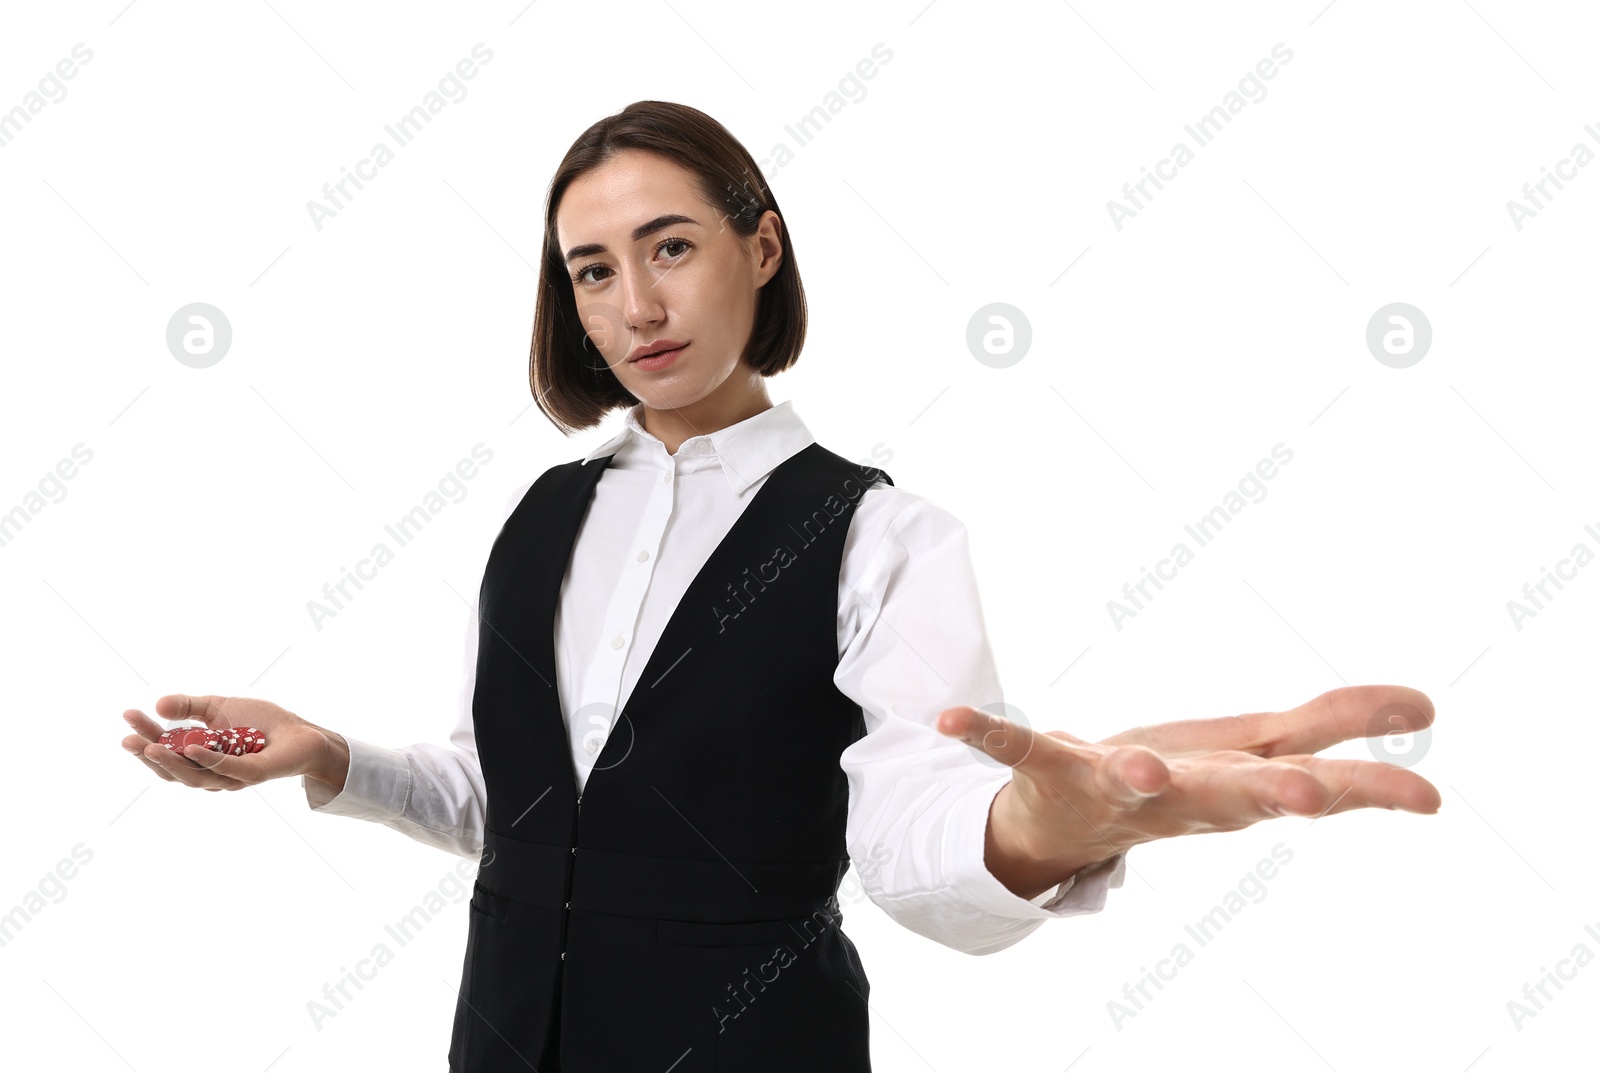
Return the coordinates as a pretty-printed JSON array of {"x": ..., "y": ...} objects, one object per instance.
[{"x": 639, "y": 232}]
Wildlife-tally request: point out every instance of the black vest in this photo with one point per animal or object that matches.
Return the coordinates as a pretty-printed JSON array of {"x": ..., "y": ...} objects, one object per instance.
[{"x": 681, "y": 912}]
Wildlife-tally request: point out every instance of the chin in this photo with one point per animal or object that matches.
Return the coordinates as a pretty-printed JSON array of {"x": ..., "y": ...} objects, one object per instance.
[{"x": 665, "y": 396}]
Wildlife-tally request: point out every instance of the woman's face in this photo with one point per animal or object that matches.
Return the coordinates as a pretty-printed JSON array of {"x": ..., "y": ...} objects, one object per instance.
[{"x": 650, "y": 262}]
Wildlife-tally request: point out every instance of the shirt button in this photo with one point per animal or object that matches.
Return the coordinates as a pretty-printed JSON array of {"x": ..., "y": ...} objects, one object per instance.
[
  {"x": 666, "y": 478},
  {"x": 643, "y": 555},
  {"x": 616, "y": 642},
  {"x": 591, "y": 746}
]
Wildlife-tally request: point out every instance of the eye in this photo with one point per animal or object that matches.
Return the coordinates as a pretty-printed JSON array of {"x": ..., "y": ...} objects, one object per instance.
[{"x": 578, "y": 276}]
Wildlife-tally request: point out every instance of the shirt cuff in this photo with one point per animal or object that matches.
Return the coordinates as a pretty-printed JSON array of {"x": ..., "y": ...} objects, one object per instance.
[
  {"x": 377, "y": 786},
  {"x": 1083, "y": 892}
]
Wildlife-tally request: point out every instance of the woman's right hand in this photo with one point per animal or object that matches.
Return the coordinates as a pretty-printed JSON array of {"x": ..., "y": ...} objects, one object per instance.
[{"x": 294, "y": 746}]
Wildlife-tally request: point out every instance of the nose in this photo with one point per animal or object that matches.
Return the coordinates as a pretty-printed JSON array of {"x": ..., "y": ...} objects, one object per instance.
[{"x": 641, "y": 298}]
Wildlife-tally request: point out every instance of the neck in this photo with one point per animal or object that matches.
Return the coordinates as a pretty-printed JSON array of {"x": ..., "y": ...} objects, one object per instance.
[{"x": 673, "y": 426}]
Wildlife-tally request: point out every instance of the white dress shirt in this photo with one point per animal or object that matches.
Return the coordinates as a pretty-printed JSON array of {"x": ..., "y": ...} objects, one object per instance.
[{"x": 912, "y": 643}]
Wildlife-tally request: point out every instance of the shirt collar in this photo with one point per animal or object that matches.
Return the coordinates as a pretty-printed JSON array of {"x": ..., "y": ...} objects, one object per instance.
[{"x": 747, "y": 450}]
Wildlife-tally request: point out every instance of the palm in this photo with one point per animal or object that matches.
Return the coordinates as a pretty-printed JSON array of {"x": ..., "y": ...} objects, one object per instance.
[{"x": 292, "y": 743}]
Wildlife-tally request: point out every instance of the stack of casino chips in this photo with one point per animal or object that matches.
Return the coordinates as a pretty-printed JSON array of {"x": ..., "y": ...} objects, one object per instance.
[{"x": 232, "y": 741}]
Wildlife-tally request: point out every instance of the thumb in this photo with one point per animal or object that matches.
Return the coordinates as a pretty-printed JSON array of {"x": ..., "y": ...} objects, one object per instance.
[{"x": 207, "y": 709}]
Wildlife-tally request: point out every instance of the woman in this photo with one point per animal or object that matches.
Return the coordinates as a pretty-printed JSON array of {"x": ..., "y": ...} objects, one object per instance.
[{"x": 742, "y": 649}]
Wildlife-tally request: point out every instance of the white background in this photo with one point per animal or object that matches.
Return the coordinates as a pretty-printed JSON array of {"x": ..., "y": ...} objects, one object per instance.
[{"x": 1228, "y": 316}]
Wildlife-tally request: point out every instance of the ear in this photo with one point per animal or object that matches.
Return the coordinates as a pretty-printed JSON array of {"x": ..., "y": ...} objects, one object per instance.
[{"x": 767, "y": 249}]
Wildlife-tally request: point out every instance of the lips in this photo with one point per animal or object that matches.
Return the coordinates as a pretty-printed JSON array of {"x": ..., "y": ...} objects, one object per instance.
[{"x": 660, "y": 346}]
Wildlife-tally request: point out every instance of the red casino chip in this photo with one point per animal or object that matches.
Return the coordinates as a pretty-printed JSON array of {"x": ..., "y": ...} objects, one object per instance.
[
  {"x": 175, "y": 734},
  {"x": 230, "y": 741},
  {"x": 205, "y": 736}
]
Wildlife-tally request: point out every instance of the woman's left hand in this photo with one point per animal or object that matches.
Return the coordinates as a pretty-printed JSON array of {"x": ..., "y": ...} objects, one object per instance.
[{"x": 1071, "y": 803}]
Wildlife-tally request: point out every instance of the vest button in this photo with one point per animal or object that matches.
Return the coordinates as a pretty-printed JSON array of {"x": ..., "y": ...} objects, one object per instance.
[
  {"x": 569, "y": 905},
  {"x": 563, "y": 955},
  {"x": 574, "y": 849}
]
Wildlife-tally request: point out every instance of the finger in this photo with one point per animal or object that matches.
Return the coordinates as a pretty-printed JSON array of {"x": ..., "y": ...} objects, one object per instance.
[
  {"x": 150, "y": 764},
  {"x": 235, "y": 770},
  {"x": 147, "y": 727},
  {"x": 136, "y": 744},
  {"x": 1371, "y": 784},
  {"x": 1335, "y": 716},
  {"x": 1194, "y": 737},
  {"x": 1226, "y": 797},
  {"x": 183, "y": 770},
  {"x": 1131, "y": 774},
  {"x": 1352, "y": 712}
]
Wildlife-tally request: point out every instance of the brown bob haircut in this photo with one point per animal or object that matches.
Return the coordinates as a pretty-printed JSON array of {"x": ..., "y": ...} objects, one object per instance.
[{"x": 571, "y": 382}]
